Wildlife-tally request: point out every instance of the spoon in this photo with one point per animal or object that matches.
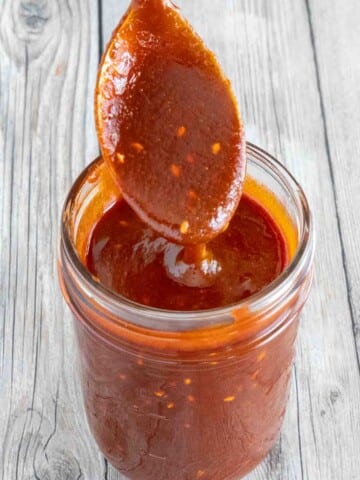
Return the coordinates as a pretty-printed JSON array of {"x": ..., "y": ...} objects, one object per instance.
[{"x": 169, "y": 126}]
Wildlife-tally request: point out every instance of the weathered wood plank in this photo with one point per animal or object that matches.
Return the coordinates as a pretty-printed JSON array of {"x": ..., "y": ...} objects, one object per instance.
[
  {"x": 48, "y": 58},
  {"x": 267, "y": 52},
  {"x": 336, "y": 53}
]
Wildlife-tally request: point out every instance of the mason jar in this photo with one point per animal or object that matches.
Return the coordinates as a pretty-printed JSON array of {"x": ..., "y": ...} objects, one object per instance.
[{"x": 186, "y": 395}]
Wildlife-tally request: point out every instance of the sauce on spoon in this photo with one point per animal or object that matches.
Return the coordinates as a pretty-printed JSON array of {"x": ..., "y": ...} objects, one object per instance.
[{"x": 169, "y": 126}]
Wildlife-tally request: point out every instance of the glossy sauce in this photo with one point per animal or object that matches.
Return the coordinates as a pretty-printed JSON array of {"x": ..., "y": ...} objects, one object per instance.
[
  {"x": 128, "y": 257},
  {"x": 192, "y": 403},
  {"x": 169, "y": 126},
  {"x": 183, "y": 404}
]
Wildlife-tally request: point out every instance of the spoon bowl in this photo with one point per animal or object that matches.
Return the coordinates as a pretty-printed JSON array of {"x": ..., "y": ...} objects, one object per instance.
[{"x": 169, "y": 126}]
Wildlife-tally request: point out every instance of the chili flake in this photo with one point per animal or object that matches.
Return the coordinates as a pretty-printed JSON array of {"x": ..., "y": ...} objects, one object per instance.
[
  {"x": 121, "y": 158},
  {"x": 181, "y": 131},
  {"x": 184, "y": 227},
  {"x": 254, "y": 375},
  {"x": 192, "y": 195},
  {"x": 229, "y": 399},
  {"x": 159, "y": 393},
  {"x": 122, "y": 376},
  {"x": 191, "y": 398},
  {"x": 216, "y": 148},
  {"x": 175, "y": 170},
  {"x": 138, "y": 147},
  {"x": 261, "y": 356},
  {"x": 200, "y": 473},
  {"x": 140, "y": 361}
]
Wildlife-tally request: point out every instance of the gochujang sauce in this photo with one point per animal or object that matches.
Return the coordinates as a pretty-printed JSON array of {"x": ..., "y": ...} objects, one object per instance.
[
  {"x": 192, "y": 404},
  {"x": 131, "y": 259},
  {"x": 169, "y": 125}
]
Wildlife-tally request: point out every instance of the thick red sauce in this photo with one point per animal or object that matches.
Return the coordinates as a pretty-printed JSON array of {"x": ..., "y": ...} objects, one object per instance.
[
  {"x": 169, "y": 125},
  {"x": 131, "y": 259},
  {"x": 186, "y": 405},
  {"x": 192, "y": 404}
]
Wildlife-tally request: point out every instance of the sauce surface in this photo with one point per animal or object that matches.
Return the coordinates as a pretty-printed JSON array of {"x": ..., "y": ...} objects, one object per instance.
[
  {"x": 131, "y": 259},
  {"x": 169, "y": 126}
]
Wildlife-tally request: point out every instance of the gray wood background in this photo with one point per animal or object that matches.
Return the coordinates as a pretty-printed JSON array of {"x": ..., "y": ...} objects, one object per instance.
[{"x": 296, "y": 70}]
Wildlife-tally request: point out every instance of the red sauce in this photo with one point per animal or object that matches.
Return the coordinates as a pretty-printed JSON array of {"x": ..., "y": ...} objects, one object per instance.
[
  {"x": 169, "y": 126},
  {"x": 192, "y": 404},
  {"x": 201, "y": 403},
  {"x": 131, "y": 259}
]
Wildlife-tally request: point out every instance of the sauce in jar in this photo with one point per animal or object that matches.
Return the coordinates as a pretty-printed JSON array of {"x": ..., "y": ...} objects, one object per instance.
[
  {"x": 173, "y": 395},
  {"x": 131, "y": 259},
  {"x": 185, "y": 414},
  {"x": 185, "y": 362}
]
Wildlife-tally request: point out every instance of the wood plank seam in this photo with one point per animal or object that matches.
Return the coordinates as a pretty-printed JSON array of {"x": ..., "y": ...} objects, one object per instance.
[
  {"x": 298, "y": 422},
  {"x": 331, "y": 169}
]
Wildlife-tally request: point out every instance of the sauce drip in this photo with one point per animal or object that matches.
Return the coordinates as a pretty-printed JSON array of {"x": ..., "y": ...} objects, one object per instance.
[
  {"x": 169, "y": 125},
  {"x": 131, "y": 259}
]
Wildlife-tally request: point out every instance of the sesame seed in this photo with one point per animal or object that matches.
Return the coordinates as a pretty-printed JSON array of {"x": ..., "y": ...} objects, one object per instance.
[
  {"x": 200, "y": 473},
  {"x": 140, "y": 361},
  {"x": 190, "y": 158},
  {"x": 254, "y": 375},
  {"x": 122, "y": 376},
  {"x": 187, "y": 381},
  {"x": 191, "y": 398},
  {"x": 170, "y": 405}
]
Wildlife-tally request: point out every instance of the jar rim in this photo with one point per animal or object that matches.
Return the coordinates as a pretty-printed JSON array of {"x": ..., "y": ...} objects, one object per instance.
[{"x": 174, "y": 320}]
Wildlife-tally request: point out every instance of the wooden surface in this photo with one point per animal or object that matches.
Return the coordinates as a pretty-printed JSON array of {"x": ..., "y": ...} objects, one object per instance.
[{"x": 296, "y": 71}]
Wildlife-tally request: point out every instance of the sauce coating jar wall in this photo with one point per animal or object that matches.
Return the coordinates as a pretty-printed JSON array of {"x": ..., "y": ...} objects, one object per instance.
[{"x": 187, "y": 395}]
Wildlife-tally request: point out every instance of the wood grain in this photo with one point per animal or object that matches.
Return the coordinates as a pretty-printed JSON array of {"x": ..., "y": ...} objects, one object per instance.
[
  {"x": 48, "y": 58},
  {"x": 338, "y": 72},
  {"x": 296, "y": 76}
]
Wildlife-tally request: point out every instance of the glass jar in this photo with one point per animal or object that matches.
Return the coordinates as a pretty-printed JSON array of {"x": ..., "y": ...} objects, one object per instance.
[{"x": 187, "y": 395}]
